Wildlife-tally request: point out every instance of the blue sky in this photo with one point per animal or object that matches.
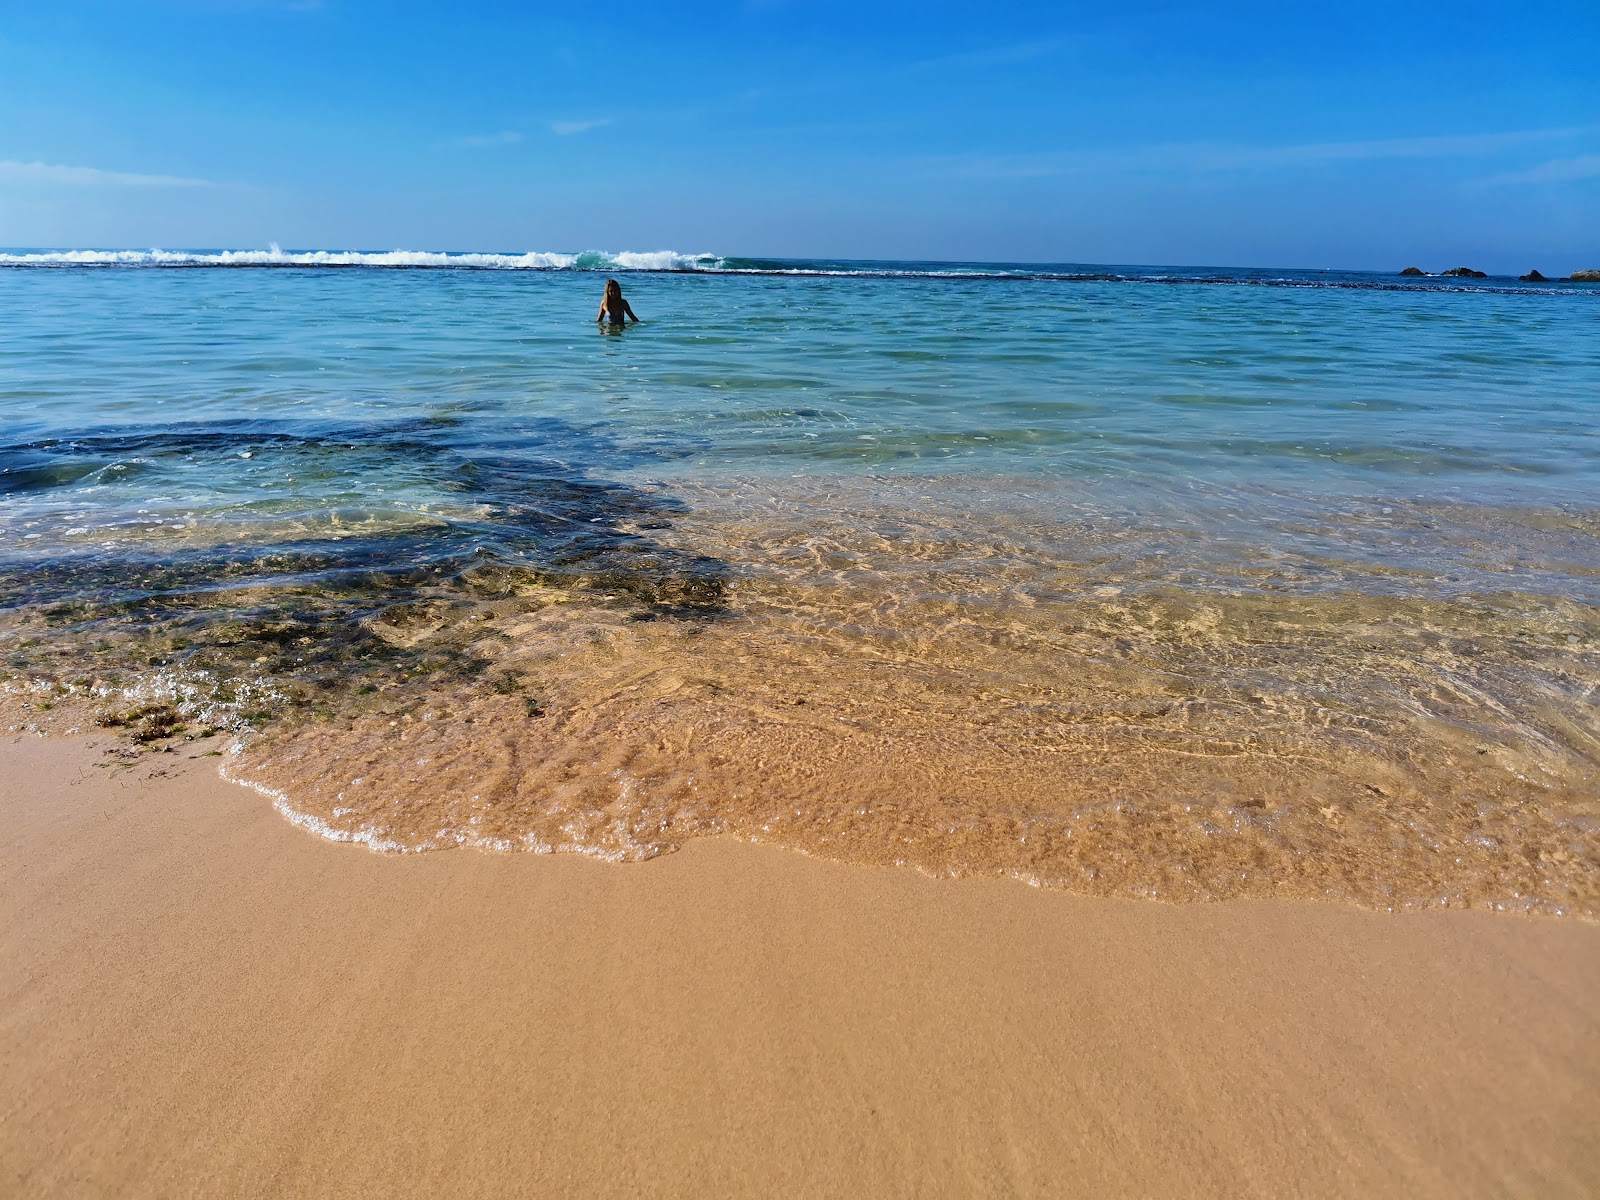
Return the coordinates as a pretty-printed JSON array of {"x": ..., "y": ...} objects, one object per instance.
[{"x": 1273, "y": 134}]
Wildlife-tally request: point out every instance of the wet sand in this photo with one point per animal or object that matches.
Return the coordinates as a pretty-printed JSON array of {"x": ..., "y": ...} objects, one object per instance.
[{"x": 201, "y": 999}]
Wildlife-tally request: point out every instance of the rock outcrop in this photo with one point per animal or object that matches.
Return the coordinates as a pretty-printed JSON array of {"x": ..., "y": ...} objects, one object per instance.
[
  {"x": 1465, "y": 273},
  {"x": 1533, "y": 277},
  {"x": 1585, "y": 277},
  {"x": 1413, "y": 271}
]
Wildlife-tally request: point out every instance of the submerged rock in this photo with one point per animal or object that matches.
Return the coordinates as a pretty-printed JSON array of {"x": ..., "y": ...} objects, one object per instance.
[
  {"x": 1413, "y": 271},
  {"x": 1466, "y": 273},
  {"x": 1590, "y": 276},
  {"x": 1533, "y": 277}
]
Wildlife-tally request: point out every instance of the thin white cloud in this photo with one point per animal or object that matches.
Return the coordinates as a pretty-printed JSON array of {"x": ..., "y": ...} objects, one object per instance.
[
  {"x": 1466, "y": 146},
  {"x": 506, "y": 137},
  {"x": 1202, "y": 157},
  {"x": 568, "y": 128},
  {"x": 38, "y": 172},
  {"x": 1560, "y": 170},
  {"x": 995, "y": 56}
]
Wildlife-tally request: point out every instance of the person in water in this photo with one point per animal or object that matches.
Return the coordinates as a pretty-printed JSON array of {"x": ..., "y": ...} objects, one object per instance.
[{"x": 614, "y": 309}]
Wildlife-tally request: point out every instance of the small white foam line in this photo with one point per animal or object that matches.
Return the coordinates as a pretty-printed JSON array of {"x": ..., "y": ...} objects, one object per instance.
[
  {"x": 365, "y": 836},
  {"x": 444, "y": 839},
  {"x": 531, "y": 844},
  {"x": 316, "y": 825}
]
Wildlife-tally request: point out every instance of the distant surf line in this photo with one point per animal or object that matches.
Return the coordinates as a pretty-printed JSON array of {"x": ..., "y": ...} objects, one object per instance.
[{"x": 675, "y": 262}]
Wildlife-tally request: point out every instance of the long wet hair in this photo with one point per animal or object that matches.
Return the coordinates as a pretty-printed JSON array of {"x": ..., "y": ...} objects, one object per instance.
[{"x": 613, "y": 290}]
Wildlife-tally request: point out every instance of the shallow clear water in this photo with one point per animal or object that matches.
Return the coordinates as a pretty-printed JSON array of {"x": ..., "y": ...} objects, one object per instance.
[{"x": 1186, "y": 584}]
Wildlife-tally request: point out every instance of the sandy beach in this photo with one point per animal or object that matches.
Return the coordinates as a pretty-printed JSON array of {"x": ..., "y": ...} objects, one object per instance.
[
  {"x": 201, "y": 999},
  {"x": 777, "y": 600}
]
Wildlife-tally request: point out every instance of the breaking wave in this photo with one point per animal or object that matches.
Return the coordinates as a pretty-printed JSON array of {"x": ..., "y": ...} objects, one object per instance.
[
  {"x": 276, "y": 256},
  {"x": 672, "y": 260}
]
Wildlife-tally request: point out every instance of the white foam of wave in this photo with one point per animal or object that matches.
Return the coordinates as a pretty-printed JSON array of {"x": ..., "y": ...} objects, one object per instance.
[
  {"x": 276, "y": 256},
  {"x": 197, "y": 695},
  {"x": 280, "y": 801},
  {"x": 662, "y": 260},
  {"x": 446, "y": 838},
  {"x": 609, "y": 839}
]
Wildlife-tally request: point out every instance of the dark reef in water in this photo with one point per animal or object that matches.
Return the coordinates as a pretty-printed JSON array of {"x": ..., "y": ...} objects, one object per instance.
[{"x": 329, "y": 609}]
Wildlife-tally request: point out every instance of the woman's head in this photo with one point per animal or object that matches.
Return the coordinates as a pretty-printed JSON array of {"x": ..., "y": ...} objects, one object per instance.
[{"x": 613, "y": 290}]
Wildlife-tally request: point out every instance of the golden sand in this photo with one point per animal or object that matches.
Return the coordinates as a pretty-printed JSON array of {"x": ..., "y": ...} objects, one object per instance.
[{"x": 201, "y": 999}]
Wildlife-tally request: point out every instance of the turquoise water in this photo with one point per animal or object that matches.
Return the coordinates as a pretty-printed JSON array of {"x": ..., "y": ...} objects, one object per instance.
[
  {"x": 183, "y": 444},
  {"x": 1329, "y": 389}
]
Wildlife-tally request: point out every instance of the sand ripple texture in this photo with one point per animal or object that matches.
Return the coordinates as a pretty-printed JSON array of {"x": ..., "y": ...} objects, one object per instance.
[{"x": 912, "y": 697}]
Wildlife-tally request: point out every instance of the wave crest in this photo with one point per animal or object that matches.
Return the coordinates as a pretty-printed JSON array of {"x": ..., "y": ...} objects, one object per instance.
[
  {"x": 672, "y": 260},
  {"x": 276, "y": 256}
]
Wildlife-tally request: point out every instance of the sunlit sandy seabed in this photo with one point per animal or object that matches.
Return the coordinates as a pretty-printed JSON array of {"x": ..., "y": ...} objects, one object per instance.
[{"x": 943, "y": 674}]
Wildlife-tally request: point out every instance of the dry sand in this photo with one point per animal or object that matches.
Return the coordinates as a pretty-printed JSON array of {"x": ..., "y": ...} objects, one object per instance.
[{"x": 200, "y": 999}]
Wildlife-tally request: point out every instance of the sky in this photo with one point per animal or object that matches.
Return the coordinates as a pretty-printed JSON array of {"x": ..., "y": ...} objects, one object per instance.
[{"x": 1351, "y": 134}]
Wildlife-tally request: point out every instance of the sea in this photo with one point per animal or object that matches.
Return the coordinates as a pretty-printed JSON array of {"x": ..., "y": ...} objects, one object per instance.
[{"x": 1174, "y": 583}]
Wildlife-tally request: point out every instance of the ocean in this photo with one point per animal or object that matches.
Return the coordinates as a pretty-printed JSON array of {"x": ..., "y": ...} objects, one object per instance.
[{"x": 1157, "y": 582}]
